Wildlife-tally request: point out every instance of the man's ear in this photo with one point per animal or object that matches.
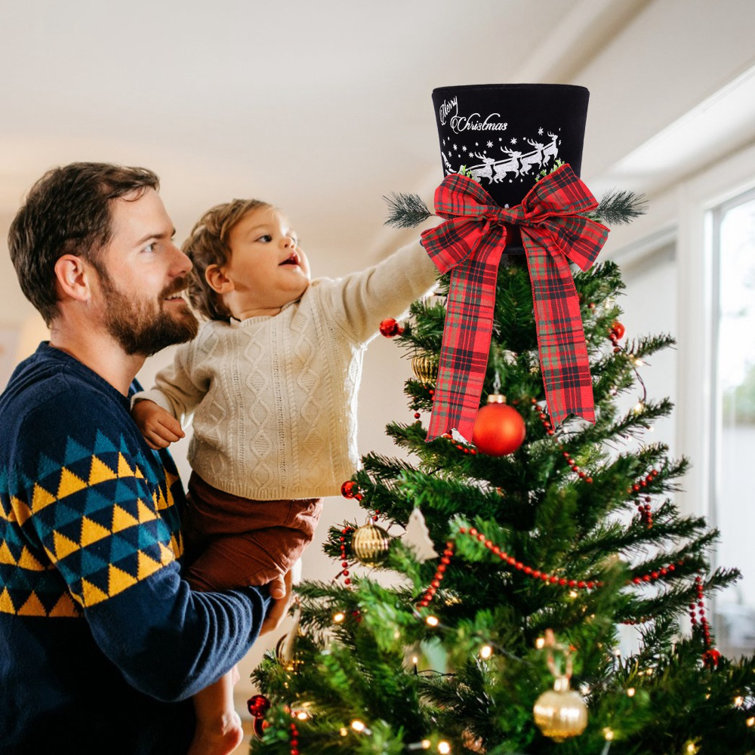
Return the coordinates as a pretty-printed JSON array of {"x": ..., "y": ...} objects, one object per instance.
[
  {"x": 218, "y": 281},
  {"x": 72, "y": 277}
]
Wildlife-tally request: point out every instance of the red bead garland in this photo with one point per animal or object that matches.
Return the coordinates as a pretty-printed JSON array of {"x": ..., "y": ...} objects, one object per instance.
[
  {"x": 350, "y": 489},
  {"x": 415, "y": 404},
  {"x": 294, "y": 740},
  {"x": 344, "y": 562},
  {"x": 579, "y": 584},
  {"x": 711, "y": 656},
  {"x": 545, "y": 419},
  {"x": 528, "y": 570},
  {"x": 643, "y": 507},
  {"x": 463, "y": 447},
  {"x": 439, "y": 574},
  {"x": 657, "y": 574}
]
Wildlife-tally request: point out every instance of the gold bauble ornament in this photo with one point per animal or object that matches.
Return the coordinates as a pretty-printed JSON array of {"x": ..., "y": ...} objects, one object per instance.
[
  {"x": 425, "y": 368},
  {"x": 285, "y": 648},
  {"x": 560, "y": 712},
  {"x": 370, "y": 544},
  {"x": 285, "y": 652}
]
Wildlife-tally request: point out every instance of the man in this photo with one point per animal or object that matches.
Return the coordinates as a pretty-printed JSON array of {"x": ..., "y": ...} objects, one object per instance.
[{"x": 101, "y": 641}]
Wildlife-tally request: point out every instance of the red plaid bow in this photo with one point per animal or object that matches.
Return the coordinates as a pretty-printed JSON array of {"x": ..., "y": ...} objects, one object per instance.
[{"x": 470, "y": 243}]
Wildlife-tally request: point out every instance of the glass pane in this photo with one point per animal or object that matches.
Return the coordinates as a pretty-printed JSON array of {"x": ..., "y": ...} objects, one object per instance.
[{"x": 735, "y": 501}]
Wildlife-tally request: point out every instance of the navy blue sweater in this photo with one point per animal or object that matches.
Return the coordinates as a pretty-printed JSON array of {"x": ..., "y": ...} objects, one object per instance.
[{"x": 101, "y": 641}]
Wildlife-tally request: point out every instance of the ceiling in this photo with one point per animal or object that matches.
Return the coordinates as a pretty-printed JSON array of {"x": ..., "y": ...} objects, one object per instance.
[
  {"x": 323, "y": 108},
  {"x": 319, "y": 107}
]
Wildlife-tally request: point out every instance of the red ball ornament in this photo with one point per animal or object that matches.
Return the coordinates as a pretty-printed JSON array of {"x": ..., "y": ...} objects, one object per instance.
[
  {"x": 390, "y": 328},
  {"x": 499, "y": 429},
  {"x": 711, "y": 657},
  {"x": 258, "y": 705},
  {"x": 349, "y": 489},
  {"x": 618, "y": 329}
]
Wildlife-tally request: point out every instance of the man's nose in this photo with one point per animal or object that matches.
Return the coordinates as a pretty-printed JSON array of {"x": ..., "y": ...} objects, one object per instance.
[{"x": 181, "y": 264}]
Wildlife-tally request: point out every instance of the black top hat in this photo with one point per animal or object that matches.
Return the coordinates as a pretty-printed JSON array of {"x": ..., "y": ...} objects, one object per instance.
[{"x": 505, "y": 135}]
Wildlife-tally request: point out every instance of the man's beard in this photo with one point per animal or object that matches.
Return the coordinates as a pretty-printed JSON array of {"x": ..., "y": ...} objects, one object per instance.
[{"x": 141, "y": 327}]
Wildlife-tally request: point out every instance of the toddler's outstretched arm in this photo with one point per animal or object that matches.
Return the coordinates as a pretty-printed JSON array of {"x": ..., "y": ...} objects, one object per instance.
[{"x": 158, "y": 426}]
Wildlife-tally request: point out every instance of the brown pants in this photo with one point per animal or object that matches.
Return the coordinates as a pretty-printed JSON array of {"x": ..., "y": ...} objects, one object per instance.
[{"x": 233, "y": 542}]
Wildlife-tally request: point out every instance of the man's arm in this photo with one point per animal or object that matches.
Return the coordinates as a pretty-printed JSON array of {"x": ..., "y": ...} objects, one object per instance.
[{"x": 99, "y": 511}]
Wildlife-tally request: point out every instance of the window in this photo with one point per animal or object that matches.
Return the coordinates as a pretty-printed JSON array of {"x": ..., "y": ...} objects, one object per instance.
[{"x": 733, "y": 420}]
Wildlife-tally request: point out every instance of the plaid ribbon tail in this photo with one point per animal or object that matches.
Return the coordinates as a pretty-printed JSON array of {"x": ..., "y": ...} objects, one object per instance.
[
  {"x": 562, "y": 349},
  {"x": 466, "y": 337}
]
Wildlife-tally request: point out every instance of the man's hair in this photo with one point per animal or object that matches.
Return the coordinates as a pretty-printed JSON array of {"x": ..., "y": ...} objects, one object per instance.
[
  {"x": 208, "y": 245},
  {"x": 67, "y": 211}
]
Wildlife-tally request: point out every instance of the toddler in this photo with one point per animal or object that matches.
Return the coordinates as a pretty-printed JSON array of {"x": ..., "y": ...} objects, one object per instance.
[{"x": 271, "y": 380}]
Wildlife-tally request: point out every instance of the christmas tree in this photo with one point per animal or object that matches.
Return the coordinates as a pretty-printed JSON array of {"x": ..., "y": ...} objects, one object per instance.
[
  {"x": 529, "y": 586},
  {"x": 541, "y": 554}
]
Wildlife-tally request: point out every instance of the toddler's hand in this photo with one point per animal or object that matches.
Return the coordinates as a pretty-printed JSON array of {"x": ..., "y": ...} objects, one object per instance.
[{"x": 159, "y": 427}]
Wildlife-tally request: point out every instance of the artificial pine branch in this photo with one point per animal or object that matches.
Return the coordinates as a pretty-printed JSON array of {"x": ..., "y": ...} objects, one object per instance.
[
  {"x": 619, "y": 206},
  {"x": 406, "y": 210}
]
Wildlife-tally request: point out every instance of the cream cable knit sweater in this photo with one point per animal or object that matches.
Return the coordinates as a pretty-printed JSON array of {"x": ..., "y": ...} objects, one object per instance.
[{"x": 274, "y": 399}]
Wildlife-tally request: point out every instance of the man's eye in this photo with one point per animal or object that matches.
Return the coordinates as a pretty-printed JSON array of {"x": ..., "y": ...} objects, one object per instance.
[{"x": 151, "y": 247}]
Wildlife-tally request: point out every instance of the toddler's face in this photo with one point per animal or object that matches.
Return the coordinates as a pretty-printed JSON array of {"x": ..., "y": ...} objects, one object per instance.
[{"x": 267, "y": 267}]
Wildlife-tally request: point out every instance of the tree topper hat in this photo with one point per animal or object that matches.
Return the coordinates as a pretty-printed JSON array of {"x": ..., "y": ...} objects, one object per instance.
[{"x": 504, "y": 135}]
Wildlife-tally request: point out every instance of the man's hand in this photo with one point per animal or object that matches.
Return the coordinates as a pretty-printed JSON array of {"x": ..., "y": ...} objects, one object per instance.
[
  {"x": 280, "y": 592},
  {"x": 159, "y": 427}
]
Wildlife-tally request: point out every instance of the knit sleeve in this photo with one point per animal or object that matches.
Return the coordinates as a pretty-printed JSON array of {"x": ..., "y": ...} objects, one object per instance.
[
  {"x": 178, "y": 388},
  {"x": 97, "y": 512},
  {"x": 384, "y": 290}
]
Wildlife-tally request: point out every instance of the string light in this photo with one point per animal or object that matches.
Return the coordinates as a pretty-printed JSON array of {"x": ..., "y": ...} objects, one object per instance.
[
  {"x": 750, "y": 721},
  {"x": 360, "y": 726},
  {"x": 485, "y": 652},
  {"x": 540, "y": 643},
  {"x": 339, "y": 617},
  {"x": 739, "y": 701},
  {"x": 608, "y": 734},
  {"x": 631, "y": 692},
  {"x": 444, "y": 748},
  {"x": 432, "y": 621},
  {"x": 423, "y": 745}
]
